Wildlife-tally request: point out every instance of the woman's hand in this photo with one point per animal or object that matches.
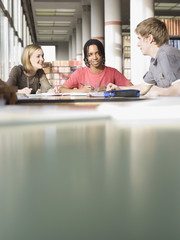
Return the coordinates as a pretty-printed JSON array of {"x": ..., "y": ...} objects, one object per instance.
[
  {"x": 112, "y": 86},
  {"x": 25, "y": 90},
  {"x": 53, "y": 90}
]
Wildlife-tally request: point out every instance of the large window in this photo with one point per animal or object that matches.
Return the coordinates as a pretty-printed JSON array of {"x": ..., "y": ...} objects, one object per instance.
[
  {"x": 14, "y": 35},
  {"x": 1, "y": 44}
]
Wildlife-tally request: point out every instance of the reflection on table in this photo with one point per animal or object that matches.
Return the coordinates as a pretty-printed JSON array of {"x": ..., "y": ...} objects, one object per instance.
[{"x": 89, "y": 179}]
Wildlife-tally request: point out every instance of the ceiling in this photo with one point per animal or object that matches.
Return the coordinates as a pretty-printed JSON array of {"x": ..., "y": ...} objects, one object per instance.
[{"x": 53, "y": 21}]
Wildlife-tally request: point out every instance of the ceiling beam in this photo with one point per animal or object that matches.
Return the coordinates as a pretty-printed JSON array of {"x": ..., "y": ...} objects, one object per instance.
[
  {"x": 27, "y": 9},
  {"x": 167, "y": 13}
]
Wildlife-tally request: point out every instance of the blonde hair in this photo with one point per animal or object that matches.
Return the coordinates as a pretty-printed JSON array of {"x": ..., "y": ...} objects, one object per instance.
[
  {"x": 26, "y": 55},
  {"x": 156, "y": 28}
]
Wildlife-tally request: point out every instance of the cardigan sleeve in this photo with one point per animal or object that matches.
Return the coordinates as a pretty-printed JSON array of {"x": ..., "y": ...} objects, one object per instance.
[
  {"x": 45, "y": 85},
  {"x": 14, "y": 75}
]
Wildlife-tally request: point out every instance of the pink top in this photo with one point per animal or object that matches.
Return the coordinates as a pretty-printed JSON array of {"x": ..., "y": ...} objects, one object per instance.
[{"x": 85, "y": 76}]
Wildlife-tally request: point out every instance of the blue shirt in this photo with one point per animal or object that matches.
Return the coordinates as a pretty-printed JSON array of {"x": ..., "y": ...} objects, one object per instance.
[{"x": 165, "y": 68}]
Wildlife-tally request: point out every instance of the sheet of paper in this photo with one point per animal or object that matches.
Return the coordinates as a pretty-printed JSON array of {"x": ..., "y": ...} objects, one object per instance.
[
  {"x": 91, "y": 94},
  {"x": 96, "y": 94}
]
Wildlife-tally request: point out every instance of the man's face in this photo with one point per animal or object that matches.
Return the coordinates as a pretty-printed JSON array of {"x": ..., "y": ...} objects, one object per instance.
[
  {"x": 144, "y": 45},
  {"x": 94, "y": 58}
]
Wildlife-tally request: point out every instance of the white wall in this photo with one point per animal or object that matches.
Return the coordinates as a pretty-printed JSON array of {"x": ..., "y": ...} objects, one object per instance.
[
  {"x": 62, "y": 51},
  {"x": 49, "y": 53}
]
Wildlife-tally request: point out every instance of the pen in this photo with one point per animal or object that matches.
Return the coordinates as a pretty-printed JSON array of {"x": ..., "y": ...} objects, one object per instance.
[{"x": 83, "y": 84}]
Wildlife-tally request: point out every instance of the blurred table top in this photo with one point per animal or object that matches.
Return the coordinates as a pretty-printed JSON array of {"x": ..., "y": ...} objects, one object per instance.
[{"x": 92, "y": 173}]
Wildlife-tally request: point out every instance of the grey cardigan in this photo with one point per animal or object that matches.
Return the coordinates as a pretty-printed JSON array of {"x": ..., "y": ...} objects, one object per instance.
[{"x": 18, "y": 78}]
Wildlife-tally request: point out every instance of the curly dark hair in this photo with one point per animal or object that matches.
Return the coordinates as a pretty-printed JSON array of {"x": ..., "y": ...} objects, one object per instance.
[{"x": 100, "y": 49}]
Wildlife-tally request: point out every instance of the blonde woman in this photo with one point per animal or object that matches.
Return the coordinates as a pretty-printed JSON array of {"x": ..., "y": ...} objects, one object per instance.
[{"x": 29, "y": 77}]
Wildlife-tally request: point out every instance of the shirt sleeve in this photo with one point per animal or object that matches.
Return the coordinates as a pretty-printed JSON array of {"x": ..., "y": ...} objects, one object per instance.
[
  {"x": 170, "y": 65},
  {"x": 73, "y": 80},
  {"x": 148, "y": 78},
  {"x": 120, "y": 79}
]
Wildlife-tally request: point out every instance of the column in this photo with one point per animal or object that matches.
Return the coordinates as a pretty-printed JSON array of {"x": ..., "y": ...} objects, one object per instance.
[
  {"x": 79, "y": 40},
  {"x": 139, "y": 10},
  {"x": 70, "y": 48},
  {"x": 97, "y": 20},
  {"x": 5, "y": 37},
  {"x": 86, "y": 23},
  {"x": 113, "y": 36},
  {"x": 74, "y": 44}
]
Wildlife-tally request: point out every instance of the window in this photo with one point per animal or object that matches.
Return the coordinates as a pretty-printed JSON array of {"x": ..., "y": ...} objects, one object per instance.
[{"x": 14, "y": 35}]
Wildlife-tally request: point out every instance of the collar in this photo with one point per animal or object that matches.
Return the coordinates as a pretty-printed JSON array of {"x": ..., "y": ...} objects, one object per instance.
[{"x": 154, "y": 60}]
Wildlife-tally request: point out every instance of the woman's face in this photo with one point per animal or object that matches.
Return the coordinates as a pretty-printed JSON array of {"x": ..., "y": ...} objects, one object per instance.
[{"x": 37, "y": 59}]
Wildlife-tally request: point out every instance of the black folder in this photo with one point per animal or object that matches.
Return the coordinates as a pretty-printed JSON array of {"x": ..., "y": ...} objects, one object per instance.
[{"x": 122, "y": 93}]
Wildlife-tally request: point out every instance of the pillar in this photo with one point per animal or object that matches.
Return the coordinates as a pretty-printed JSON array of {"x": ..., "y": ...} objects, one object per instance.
[
  {"x": 113, "y": 36},
  {"x": 86, "y": 23},
  {"x": 74, "y": 44},
  {"x": 70, "y": 48},
  {"x": 139, "y": 10},
  {"x": 97, "y": 20},
  {"x": 79, "y": 40}
]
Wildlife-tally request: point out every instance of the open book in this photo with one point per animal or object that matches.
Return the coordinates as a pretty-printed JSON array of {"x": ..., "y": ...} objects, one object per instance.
[
  {"x": 113, "y": 93},
  {"x": 90, "y": 94}
]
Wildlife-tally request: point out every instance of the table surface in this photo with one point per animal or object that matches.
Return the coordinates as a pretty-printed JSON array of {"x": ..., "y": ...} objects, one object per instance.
[
  {"x": 74, "y": 99},
  {"x": 89, "y": 178}
]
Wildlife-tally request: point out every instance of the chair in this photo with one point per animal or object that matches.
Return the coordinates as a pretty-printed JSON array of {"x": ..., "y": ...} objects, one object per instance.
[{"x": 8, "y": 93}]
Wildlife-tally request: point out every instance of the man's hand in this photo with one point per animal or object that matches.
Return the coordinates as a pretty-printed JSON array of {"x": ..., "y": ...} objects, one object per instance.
[
  {"x": 173, "y": 90},
  {"x": 86, "y": 89},
  {"x": 112, "y": 86},
  {"x": 101, "y": 89},
  {"x": 65, "y": 89}
]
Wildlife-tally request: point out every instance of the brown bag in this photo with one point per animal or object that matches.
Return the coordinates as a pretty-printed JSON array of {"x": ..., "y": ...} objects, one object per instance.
[{"x": 8, "y": 93}]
